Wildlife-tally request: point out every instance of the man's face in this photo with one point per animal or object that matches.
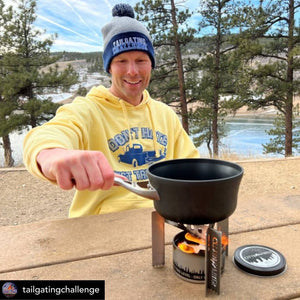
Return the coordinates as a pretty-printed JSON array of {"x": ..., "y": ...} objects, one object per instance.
[{"x": 131, "y": 72}]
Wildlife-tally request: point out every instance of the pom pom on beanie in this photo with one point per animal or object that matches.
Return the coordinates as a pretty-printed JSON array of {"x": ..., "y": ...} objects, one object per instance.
[
  {"x": 124, "y": 33},
  {"x": 123, "y": 10}
]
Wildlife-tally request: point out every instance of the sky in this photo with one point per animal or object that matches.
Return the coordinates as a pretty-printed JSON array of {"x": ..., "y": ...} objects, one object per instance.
[{"x": 78, "y": 23}]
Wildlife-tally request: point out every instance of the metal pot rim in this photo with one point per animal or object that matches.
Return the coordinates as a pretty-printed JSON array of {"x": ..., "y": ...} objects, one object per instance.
[{"x": 212, "y": 161}]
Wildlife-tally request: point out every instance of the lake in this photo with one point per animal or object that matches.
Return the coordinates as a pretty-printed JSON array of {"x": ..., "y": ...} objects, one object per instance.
[{"x": 245, "y": 137}]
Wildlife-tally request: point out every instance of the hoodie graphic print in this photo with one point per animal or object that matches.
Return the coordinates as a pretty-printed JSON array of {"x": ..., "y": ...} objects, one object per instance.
[{"x": 134, "y": 154}]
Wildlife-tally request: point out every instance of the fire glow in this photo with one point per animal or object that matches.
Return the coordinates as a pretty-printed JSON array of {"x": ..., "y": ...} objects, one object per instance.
[{"x": 194, "y": 245}]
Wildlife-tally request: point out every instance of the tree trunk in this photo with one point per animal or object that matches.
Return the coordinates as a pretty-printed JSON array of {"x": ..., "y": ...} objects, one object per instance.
[
  {"x": 33, "y": 122},
  {"x": 184, "y": 110},
  {"x": 9, "y": 161},
  {"x": 215, "y": 104},
  {"x": 215, "y": 133},
  {"x": 289, "y": 95},
  {"x": 209, "y": 148},
  {"x": 289, "y": 125}
]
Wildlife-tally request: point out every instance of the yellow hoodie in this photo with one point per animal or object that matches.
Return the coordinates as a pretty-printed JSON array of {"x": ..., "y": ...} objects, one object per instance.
[{"x": 131, "y": 137}]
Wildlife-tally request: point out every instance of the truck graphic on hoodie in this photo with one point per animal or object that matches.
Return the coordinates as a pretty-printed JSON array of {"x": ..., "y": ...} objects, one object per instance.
[{"x": 136, "y": 156}]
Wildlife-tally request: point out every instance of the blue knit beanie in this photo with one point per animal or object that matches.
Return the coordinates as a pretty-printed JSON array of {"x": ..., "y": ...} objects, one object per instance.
[{"x": 124, "y": 33}]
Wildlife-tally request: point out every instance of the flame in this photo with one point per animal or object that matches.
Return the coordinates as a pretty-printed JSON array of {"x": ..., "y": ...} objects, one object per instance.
[
  {"x": 224, "y": 240},
  {"x": 188, "y": 236},
  {"x": 195, "y": 248},
  {"x": 183, "y": 246}
]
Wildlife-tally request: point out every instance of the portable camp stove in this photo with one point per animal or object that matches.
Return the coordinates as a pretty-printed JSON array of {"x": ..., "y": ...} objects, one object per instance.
[{"x": 199, "y": 251}]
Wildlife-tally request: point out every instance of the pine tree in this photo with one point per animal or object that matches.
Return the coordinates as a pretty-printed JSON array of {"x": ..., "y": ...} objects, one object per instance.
[
  {"x": 221, "y": 18},
  {"x": 277, "y": 141},
  {"x": 24, "y": 56},
  {"x": 272, "y": 50},
  {"x": 167, "y": 23},
  {"x": 8, "y": 102}
]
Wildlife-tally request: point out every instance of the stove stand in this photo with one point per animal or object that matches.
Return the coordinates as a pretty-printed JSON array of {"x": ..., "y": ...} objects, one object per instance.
[
  {"x": 214, "y": 254},
  {"x": 158, "y": 240}
]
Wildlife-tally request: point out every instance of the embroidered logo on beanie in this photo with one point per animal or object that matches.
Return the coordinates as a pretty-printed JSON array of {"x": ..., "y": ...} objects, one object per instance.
[
  {"x": 124, "y": 33},
  {"x": 129, "y": 43}
]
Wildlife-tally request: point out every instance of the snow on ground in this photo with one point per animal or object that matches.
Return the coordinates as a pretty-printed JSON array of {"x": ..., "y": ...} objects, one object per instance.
[{"x": 56, "y": 97}]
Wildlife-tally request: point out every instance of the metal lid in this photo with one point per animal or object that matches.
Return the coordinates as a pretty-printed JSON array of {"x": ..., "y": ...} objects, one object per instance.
[{"x": 259, "y": 260}]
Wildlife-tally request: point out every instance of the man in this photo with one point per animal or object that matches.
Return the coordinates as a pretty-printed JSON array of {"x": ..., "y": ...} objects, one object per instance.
[{"x": 111, "y": 132}]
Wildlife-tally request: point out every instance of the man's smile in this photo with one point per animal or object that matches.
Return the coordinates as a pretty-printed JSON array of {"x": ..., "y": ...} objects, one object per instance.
[{"x": 133, "y": 82}]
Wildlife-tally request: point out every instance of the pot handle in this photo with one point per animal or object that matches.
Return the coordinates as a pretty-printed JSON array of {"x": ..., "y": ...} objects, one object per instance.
[{"x": 149, "y": 193}]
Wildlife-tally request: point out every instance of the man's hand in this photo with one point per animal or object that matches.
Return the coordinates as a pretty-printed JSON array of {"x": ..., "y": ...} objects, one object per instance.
[{"x": 82, "y": 169}]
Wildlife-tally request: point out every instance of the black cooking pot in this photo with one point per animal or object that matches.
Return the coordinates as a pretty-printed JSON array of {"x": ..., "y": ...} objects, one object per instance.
[{"x": 192, "y": 191}]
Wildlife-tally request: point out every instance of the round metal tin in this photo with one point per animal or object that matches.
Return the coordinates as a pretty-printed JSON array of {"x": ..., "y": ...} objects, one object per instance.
[
  {"x": 190, "y": 266},
  {"x": 259, "y": 260}
]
